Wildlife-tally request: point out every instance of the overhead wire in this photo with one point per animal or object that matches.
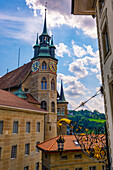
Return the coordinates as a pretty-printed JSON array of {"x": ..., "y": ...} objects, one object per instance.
[{"x": 100, "y": 91}]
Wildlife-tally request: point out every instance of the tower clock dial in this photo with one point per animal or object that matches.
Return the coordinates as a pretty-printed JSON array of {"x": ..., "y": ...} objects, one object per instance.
[
  {"x": 53, "y": 66},
  {"x": 35, "y": 66}
]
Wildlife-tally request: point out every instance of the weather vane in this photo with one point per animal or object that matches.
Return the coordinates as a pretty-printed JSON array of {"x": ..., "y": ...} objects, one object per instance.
[{"x": 46, "y": 5}]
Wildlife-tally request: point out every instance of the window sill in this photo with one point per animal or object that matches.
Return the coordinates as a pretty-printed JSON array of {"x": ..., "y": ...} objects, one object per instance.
[
  {"x": 27, "y": 155},
  {"x": 13, "y": 158}
]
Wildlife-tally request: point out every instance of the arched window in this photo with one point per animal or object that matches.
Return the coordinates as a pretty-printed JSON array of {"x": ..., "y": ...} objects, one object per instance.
[
  {"x": 52, "y": 84},
  {"x": 44, "y": 66},
  {"x": 52, "y": 107},
  {"x": 44, "y": 84},
  {"x": 44, "y": 105}
]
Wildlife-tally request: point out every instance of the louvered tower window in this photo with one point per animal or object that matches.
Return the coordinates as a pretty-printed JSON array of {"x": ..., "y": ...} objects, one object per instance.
[
  {"x": 52, "y": 107},
  {"x": 44, "y": 84},
  {"x": 44, "y": 66}
]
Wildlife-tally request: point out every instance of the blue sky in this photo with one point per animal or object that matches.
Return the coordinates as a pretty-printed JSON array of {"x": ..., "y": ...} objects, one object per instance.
[{"x": 75, "y": 39}]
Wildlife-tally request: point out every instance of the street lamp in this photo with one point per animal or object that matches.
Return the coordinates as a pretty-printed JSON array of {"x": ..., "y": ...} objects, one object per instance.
[{"x": 60, "y": 141}]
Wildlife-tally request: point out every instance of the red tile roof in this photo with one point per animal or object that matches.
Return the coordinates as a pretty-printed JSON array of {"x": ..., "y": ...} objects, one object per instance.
[
  {"x": 12, "y": 79},
  {"x": 31, "y": 99},
  {"x": 9, "y": 99},
  {"x": 51, "y": 145}
]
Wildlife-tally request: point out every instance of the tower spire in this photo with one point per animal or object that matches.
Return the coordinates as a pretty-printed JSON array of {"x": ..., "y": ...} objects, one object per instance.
[
  {"x": 52, "y": 40},
  {"x": 62, "y": 97},
  {"x": 37, "y": 39},
  {"x": 45, "y": 27}
]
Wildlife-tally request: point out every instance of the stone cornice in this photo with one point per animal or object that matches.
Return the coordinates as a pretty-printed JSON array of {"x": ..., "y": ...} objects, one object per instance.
[{"x": 3, "y": 107}]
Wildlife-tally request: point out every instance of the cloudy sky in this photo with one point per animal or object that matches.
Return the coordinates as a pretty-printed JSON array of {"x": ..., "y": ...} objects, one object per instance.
[{"x": 75, "y": 39}]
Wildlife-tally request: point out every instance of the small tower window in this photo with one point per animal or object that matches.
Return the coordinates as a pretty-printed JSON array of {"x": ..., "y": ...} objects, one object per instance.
[
  {"x": 43, "y": 84},
  {"x": 44, "y": 105},
  {"x": 44, "y": 66},
  {"x": 52, "y": 107},
  {"x": 52, "y": 84}
]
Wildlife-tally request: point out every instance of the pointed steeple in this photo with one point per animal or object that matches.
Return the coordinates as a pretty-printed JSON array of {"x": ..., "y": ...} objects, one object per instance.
[
  {"x": 52, "y": 40},
  {"x": 45, "y": 27},
  {"x": 62, "y": 97},
  {"x": 37, "y": 39}
]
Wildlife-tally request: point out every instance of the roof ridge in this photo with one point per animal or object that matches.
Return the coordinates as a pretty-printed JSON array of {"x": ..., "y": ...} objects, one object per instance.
[
  {"x": 51, "y": 145},
  {"x": 16, "y": 69}
]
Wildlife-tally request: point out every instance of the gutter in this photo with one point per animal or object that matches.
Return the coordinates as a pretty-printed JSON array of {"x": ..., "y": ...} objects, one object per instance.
[{"x": 3, "y": 107}]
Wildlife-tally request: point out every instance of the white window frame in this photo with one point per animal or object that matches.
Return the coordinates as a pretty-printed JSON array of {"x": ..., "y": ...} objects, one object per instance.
[
  {"x": 27, "y": 149},
  {"x": 38, "y": 127},
  {"x": 15, "y": 127},
  {"x": 1, "y": 127},
  {"x": 14, "y": 152},
  {"x": 27, "y": 127}
]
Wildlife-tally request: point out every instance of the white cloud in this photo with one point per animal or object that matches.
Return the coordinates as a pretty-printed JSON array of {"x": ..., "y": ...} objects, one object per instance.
[
  {"x": 61, "y": 49},
  {"x": 99, "y": 77},
  {"x": 78, "y": 51},
  {"x": 78, "y": 69},
  {"x": 72, "y": 86},
  {"x": 94, "y": 70},
  {"x": 75, "y": 94},
  {"x": 23, "y": 28},
  {"x": 96, "y": 103},
  {"x": 59, "y": 14}
]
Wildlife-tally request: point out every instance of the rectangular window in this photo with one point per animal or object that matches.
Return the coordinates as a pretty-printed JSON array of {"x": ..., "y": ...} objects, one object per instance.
[
  {"x": 92, "y": 168},
  {"x": 105, "y": 41},
  {"x": 38, "y": 126},
  {"x": 64, "y": 157},
  {"x": 1, "y": 127},
  {"x": 27, "y": 127},
  {"x": 78, "y": 156},
  {"x": 62, "y": 111},
  {"x": 0, "y": 152},
  {"x": 26, "y": 168},
  {"x": 15, "y": 127},
  {"x": 78, "y": 168},
  {"x": 58, "y": 111},
  {"x": 37, "y": 166},
  {"x": 27, "y": 148},
  {"x": 14, "y": 151},
  {"x": 50, "y": 128},
  {"x": 37, "y": 150}
]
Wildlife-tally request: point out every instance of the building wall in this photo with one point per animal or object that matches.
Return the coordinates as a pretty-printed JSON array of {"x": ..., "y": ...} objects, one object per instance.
[
  {"x": 33, "y": 84},
  {"x": 105, "y": 23},
  {"x": 60, "y": 116},
  {"x": 53, "y": 161},
  {"x": 8, "y": 139}
]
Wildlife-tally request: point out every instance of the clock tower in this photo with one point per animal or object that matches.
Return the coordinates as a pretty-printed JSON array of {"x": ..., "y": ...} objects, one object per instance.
[{"x": 43, "y": 81}]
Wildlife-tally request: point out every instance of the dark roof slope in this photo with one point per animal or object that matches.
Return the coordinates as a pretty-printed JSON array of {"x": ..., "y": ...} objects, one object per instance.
[
  {"x": 12, "y": 79},
  {"x": 9, "y": 99},
  {"x": 31, "y": 99}
]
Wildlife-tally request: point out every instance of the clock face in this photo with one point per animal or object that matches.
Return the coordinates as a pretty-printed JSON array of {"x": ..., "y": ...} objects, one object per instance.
[
  {"x": 35, "y": 66},
  {"x": 53, "y": 66}
]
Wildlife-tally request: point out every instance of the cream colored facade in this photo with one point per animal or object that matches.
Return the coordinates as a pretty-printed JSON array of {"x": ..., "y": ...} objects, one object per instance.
[
  {"x": 8, "y": 139},
  {"x": 103, "y": 10},
  {"x": 33, "y": 84},
  {"x": 69, "y": 161}
]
